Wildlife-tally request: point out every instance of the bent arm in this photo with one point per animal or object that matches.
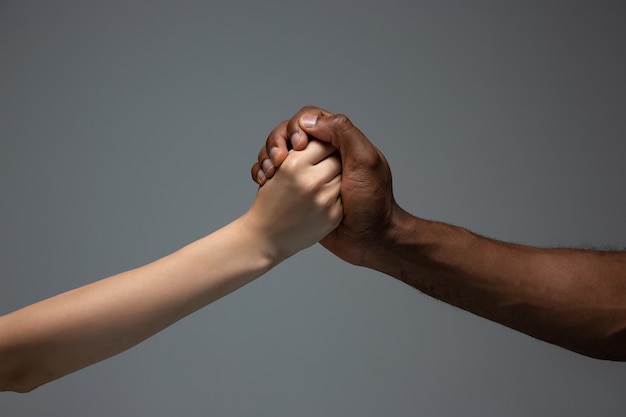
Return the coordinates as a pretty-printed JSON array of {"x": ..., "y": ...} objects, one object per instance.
[{"x": 572, "y": 298}]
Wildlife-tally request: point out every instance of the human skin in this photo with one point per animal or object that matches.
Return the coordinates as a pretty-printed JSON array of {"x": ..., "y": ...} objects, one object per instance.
[
  {"x": 572, "y": 298},
  {"x": 50, "y": 339}
]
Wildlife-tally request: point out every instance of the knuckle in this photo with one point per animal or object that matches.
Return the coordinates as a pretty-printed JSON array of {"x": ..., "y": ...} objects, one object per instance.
[
  {"x": 273, "y": 138},
  {"x": 374, "y": 162},
  {"x": 342, "y": 123},
  {"x": 326, "y": 201},
  {"x": 308, "y": 108},
  {"x": 279, "y": 128},
  {"x": 277, "y": 133},
  {"x": 309, "y": 187},
  {"x": 291, "y": 163}
]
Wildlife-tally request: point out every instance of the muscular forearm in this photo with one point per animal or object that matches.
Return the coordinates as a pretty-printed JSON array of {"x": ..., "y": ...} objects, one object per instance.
[
  {"x": 572, "y": 298},
  {"x": 54, "y": 337}
]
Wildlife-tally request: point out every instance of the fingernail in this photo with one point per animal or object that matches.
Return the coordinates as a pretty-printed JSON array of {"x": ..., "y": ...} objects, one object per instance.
[
  {"x": 273, "y": 153},
  {"x": 267, "y": 166},
  {"x": 260, "y": 176},
  {"x": 296, "y": 139},
  {"x": 308, "y": 120}
]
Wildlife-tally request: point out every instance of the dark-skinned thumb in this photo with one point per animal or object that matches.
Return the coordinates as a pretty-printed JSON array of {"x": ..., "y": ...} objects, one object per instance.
[{"x": 338, "y": 130}]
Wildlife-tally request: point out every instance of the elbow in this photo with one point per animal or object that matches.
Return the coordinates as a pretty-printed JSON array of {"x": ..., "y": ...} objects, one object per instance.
[
  {"x": 21, "y": 384},
  {"x": 611, "y": 347},
  {"x": 605, "y": 355},
  {"x": 18, "y": 388},
  {"x": 23, "y": 373},
  {"x": 23, "y": 379}
]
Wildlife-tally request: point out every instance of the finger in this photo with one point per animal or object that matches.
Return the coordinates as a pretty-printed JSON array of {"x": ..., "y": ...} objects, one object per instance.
[
  {"x": 257, "y": 173},
  {"x": 355, "y": 149},
  {"x": 336, "y": 129},
  {"x": 265, "y": 164},
  {"x": 315, "y": 152},
  {"x": 334, "y": 185},
  {"x": 276, "y": 146},
  {"x": 298, "y": 137},
  {"x": 332, "y": 191},
  {"x": 329, "y": 168},
  {"x": 275, "y": 149}
]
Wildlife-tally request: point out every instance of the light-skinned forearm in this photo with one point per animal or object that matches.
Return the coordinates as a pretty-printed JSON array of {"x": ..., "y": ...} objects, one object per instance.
[
  {"x": 54, "y": 337},
  {"x": 572, "y": 298}
]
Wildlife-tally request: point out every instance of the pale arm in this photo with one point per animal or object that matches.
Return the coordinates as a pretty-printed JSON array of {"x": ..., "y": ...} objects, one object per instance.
[
  {"x": 49, "y": 339},
  {"x": 54, "y": 337}
]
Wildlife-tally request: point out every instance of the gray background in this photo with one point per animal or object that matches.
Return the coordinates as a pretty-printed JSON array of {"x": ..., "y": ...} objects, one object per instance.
[{"x": 127, "y": 129}]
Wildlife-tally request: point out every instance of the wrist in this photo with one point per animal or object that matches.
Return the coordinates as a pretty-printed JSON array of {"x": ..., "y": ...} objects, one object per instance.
[
  {"x": 410, "y": 246},
  {"x": 262, "y": 246},
  {"x": 385, "y": 253}
]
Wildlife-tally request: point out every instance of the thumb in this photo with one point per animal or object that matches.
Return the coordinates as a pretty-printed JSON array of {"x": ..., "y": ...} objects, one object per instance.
[{"x": 338, "y": 130}]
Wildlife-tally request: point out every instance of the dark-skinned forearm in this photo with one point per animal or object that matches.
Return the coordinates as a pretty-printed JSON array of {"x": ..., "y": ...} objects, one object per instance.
[{"x": 572, "y": 298}]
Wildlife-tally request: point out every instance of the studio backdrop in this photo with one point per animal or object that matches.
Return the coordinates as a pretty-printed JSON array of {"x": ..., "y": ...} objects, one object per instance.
[{"x": 128, "y": 128}]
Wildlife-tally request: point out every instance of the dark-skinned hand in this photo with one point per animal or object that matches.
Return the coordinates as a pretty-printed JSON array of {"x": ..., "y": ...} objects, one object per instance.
[{"x": 366, "y": 188}]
